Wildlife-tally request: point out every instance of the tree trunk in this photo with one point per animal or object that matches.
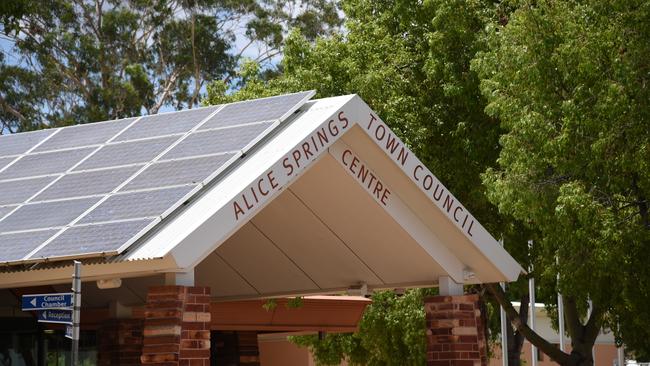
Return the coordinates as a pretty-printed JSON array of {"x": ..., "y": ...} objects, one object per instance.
[
  {"x": 583, "y": 337},
  {"x": 515, "y": 338}
]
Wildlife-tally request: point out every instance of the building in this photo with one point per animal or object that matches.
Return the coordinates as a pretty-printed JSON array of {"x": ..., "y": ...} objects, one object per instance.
[{"x": 174, "y": 214}]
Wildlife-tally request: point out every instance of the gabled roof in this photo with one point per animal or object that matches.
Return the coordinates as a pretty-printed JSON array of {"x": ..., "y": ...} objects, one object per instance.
[{"x": 328, "y": 199}]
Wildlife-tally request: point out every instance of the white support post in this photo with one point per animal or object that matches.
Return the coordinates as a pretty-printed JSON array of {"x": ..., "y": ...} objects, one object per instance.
[
  {"x": 448, "y": 287},
  {"x": 504, "y": 327},
  {"x": 532, "y": 315},
  {"x": 504, "y": 333},
  {"x": 560, "y": 313},
  {"x": 620, "y": 355}
]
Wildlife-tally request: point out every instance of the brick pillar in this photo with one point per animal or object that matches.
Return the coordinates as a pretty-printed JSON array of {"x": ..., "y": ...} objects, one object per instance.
[
  {"x": 455, "y": 332},
  {"x": 177, "y": 326},
  {"x": 120, "y": 342}
]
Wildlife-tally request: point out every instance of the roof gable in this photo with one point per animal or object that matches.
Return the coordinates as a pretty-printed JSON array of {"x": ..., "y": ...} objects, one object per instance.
[{"x": 333, "y": 128}]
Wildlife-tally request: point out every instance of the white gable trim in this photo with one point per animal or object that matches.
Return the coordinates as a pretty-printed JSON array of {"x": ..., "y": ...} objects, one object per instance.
[{"x": 226, "y": 207}]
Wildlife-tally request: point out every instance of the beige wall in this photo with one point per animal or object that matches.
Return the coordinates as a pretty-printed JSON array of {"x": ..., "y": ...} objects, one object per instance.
[
  {"x": 605, "y": 356},
  {"x": 275, "y": 350},
  {"x": 278, "y": 352}
]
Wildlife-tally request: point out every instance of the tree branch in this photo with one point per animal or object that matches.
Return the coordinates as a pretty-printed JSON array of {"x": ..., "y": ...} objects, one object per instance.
[
  {"x": 592, "y": 328},
  {"x": 13, "y": 111},
  {"x": 167, "y": 89},
  {"x": 197, "y": 71},
  {"x": 572, "y": 317},
  {"x": 512, "y": 315}
]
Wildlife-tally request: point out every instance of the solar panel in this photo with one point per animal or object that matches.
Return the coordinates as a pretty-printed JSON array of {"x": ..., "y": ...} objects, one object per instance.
[
  {"x": 56, "y": 177},
  {"x": 46, "y": 215},
  {"x": 16, "y": 246},
  {"x": 125, "y": 153},
  {"x": 177, "y": 172},
  {"x": 4, "y": 210},
  {"x": 137, "y": 205},
  {"x": 217, "y": 141},
  {"x": 20, "y": 143},
  {"x": 87, "y": 183},
  {"x": 19, "y": 191},
  {"x": 166, "y": 124},
  {"x": 44, "y": 163},
  {"x": 5, "y": 161},
  {"x": 85, "y": 240},
  {"x": 267, "y": 109},
  {"x": 84, "y": 135}
]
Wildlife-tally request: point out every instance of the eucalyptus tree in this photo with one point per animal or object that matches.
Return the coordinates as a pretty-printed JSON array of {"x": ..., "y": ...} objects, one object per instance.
[{"x": 87, "y": 60}]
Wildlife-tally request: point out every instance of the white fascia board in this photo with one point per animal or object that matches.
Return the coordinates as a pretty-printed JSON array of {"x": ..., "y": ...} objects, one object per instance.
[
  {"x": 229, "y": 204},
  {"x": 412, "y": 167}
]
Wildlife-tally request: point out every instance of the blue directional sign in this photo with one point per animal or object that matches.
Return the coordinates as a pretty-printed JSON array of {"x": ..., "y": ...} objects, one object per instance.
[
  {"x": 55, "y": 316},
  {"x": 68, "y": 331},
  {"x": 47, "y": 301}
]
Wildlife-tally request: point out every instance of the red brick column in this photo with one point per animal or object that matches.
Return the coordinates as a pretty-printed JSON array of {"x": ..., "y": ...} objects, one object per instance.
[
  {"x": 177, "y": 326},
  {"x": 455, "y": 333},
  {"x": 120, "y": 342}
]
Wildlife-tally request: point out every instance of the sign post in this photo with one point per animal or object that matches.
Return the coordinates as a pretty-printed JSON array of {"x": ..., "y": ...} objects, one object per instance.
[
  {"x": 76, "y": 312},
  {"x": 61, "y": 308}
]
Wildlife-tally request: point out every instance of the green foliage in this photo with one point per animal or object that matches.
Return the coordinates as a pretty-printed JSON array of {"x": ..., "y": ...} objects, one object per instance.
[
  {"x": 535, "y": 114},
  {"x": 411, "y": 63},
  {"x": 270, "y": 304},
  {"x": 391, "y": 332},
  {"x": 294, "y": 302},
  {"x": 568, "y": 81},
  {"x": 79, "y": 62}
]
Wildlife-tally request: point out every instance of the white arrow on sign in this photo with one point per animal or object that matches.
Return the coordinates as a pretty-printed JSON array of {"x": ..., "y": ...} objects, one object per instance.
[{"x": 33, "y": 302}]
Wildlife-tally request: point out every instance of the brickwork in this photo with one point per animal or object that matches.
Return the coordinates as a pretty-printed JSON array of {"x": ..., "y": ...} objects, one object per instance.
[
  {"x": 455, "y": 332},
  {"x": 120, "y": 342},
  {"x": 177, "y": 326}
]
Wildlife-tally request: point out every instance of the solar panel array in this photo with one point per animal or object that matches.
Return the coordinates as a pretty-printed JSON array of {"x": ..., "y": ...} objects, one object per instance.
[{"x": 94, "y": 189}]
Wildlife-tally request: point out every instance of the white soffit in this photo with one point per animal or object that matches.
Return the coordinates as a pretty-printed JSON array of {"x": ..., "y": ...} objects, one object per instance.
[{"x": 346, "y": 129}]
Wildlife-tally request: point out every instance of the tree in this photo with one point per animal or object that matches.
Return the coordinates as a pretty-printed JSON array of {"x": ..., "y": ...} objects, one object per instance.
[
  {"x": 90, "y": 60},
  {"x": 391, "y": 332},
  {"x": 569, "y": 83}
]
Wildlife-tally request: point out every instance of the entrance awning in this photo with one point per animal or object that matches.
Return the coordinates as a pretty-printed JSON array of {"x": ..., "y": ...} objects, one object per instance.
[{"x": 330, "y": 201}]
